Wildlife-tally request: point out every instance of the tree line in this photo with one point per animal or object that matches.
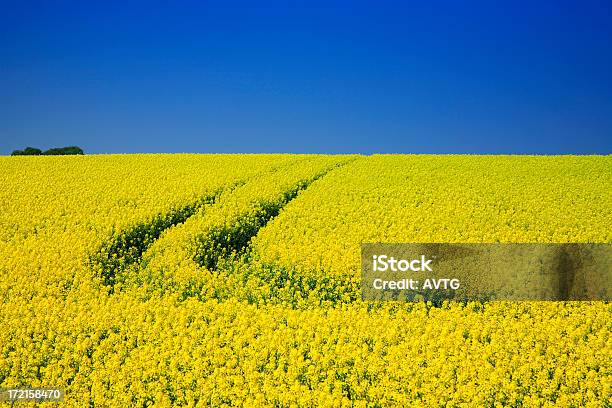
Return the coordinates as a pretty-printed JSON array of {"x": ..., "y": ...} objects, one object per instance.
[{"x": 32, "y": 151}]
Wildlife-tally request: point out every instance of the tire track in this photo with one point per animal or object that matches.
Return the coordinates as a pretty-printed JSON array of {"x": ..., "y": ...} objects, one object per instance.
[
  {"x": 226, "y": 255},
  {"x": 233, "y": 240},
  {"x": 122, "y": 254},
  {"x": 124, "y": 249}
]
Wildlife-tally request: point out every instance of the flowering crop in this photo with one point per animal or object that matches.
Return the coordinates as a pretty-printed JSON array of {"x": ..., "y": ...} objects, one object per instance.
[
  {"x": 231, "y": 280},
  {"x": 462, "y": 199},
  {"x": 185, "y": 258},
  {"x": 56, "y": 211}
]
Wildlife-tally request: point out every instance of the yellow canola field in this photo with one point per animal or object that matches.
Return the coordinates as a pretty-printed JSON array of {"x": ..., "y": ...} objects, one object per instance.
[
  {"x": 421, "y": 198},
  {"x": 181, "y": 261},
  {"x": 62, "y": 327},
  {"x": 56, "y": 211},
  {"x": 134, "y": 353}
]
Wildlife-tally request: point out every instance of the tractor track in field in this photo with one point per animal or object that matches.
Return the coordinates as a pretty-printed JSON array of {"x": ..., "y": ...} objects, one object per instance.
[
  {"x": 226, "y": 241},
  {"x": 125, "y": 249},
  {"x": 227, "y": 250}
]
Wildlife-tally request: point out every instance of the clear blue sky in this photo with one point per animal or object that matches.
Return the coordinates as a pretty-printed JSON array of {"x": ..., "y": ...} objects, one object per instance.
[{"x": 331, "y": 77}]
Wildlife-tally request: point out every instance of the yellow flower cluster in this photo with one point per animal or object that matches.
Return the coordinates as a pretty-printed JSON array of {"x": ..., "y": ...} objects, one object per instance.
[{"x": 251, "y": 299}]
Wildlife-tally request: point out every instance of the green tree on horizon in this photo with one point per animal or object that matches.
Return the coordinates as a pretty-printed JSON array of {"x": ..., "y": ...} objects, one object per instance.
[{"x": 55, "y": 151}]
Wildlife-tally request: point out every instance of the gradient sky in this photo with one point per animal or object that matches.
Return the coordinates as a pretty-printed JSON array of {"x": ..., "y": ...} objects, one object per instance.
[{"x": 329, "y": 77}]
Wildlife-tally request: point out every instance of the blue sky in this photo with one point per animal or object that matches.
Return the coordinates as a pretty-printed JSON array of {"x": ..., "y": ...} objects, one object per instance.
[{"x": 328, "y": 77}]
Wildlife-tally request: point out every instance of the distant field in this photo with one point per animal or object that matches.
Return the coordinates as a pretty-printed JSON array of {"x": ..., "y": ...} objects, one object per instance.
[{"x": 231, "y": 280}]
